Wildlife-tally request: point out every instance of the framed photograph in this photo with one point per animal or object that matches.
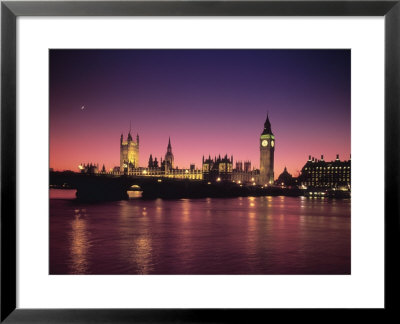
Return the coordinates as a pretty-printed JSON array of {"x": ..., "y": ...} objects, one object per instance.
[{"x": 184, "y": 161}]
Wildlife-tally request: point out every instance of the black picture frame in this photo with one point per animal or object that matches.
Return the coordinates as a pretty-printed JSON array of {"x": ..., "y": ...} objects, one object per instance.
[{"x": 10, "y": 10}]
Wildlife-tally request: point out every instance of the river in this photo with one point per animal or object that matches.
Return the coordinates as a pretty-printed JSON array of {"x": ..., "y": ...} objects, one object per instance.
[{"x": 245, "y": 235}]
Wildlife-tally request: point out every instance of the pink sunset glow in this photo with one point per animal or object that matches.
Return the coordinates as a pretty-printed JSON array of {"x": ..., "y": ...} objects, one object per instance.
[{"x": 209, "y": 102}]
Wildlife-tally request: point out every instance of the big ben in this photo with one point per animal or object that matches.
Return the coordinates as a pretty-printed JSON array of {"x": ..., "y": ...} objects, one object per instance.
[{"x": 267, "y": 149}]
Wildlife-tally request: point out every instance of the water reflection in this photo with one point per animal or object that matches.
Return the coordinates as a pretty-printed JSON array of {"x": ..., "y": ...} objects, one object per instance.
[
  {"x": 135, "y": 242},
  {"x": 79, "y": 246},
  {"x": 250, "y": 235},
  {"x": 141, "y": 254}
]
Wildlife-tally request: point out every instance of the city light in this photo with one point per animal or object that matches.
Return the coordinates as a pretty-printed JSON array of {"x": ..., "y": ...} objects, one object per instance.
[
  {"x": 200, "y": 129},
  {"x": 221, "y": 170}
]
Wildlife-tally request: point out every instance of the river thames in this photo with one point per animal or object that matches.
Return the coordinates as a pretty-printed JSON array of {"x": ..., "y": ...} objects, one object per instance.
[{"x": 244, "y": 235}]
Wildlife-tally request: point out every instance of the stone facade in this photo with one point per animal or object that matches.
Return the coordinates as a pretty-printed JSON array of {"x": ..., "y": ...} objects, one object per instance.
[{"x": 129, "y": 154}]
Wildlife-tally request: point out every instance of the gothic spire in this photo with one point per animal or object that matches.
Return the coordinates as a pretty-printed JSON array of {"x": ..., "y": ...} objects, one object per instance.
[
  {"x": 169, "y": 148},
  {"x": 130, "y": 129},
  {"x": 267, "y": 126}
]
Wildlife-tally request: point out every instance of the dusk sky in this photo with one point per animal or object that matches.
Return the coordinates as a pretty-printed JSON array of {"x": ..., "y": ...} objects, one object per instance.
[{"x": 208, "y": 102}]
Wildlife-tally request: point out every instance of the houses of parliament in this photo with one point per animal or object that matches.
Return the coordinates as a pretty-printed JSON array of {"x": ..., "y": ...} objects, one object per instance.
[
  {"x": 220, "y": 168},
  {"x": 213, "y": 169}
]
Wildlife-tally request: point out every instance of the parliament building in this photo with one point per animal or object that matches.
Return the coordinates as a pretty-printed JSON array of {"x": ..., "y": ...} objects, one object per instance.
[
  {"x": 129, "y": 154},
  {"x": 217, "y": 169},
  {"x": 129, "y": 158},
  {"x": 213, "y": 169},
  {"x": 314, "y": 174}
]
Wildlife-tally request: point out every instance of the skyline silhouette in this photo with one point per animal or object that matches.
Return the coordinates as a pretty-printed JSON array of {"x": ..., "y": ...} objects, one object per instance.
[{"x": 209, "y": 102}]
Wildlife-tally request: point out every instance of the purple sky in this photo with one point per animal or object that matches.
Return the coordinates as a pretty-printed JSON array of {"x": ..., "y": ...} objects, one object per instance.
[{"x": 208, "y": 101}]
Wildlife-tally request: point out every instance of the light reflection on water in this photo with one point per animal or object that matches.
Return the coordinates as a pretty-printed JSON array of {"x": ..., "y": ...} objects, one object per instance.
[
  {"x": 250, "y": 235},
  {"x": 79, "y": 243}
]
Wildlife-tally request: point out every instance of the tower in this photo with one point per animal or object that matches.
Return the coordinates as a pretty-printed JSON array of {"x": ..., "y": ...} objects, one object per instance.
[
  {"x": 247, "y": 166},
  {"x": 267, "y": 149},
  {"x": 169, "y": 157},
  {"x": 129, "y": 153}
]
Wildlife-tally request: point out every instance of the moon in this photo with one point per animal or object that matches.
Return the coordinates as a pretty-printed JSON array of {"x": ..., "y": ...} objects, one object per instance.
[{"x": 83, "y": 107}]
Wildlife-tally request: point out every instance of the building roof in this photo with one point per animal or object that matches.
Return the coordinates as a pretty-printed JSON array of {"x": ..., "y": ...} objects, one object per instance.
[{"x": 267, "y": 127}]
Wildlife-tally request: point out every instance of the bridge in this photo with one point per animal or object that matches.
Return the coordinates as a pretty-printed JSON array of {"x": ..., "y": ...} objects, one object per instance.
[{"x": 110, "y": 187}]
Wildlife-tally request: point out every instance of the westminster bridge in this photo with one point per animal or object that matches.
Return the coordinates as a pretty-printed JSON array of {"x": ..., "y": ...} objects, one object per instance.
[{"x": 112, "y": 187}]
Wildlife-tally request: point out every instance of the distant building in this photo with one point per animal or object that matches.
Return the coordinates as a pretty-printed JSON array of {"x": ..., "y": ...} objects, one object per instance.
[
  {"x": 244, "y": 174},
  {"x": 239, "y": 166},
  {"x": 217, "y": 169},
  {"x": 129, "y": 153},
  {"x": 285, "y": 179},
  {"x": 168, "y": 163},
  {"x": 89, "y": 168},
  {"x": 267, "y": 149},
  {"x": 195, "y": 174},
  {"x": 321, "y": 174},
  {"x": 247, "y": 166},
  {"x": 163, "y": 170}
]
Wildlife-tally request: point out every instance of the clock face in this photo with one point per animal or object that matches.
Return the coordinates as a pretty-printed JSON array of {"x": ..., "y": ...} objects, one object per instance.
[
  {"x": 264, "y": 143},
  {"x": 272, "y": 143}
]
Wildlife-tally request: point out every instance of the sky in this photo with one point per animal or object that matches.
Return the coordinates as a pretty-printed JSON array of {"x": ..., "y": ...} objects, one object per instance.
[{"x": 208, "y": 101}]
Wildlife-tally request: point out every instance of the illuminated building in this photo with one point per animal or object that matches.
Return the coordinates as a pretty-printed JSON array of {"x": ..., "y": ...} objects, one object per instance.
[
  {"x": 267, "y": 149},
  {"x": 165, "y": 169},
  {"x": 129, "y": 153},
  {"x": 217, "y": 169},
  {"x": 89, "y": 168},
  {"x": 158, "y": 172},
  {"x": 245, "y": 175},
  {"x": 321, "y": 174}
]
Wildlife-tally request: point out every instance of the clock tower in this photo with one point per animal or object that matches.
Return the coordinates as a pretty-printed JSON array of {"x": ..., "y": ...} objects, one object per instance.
[{"x": 267, "y": 149}]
